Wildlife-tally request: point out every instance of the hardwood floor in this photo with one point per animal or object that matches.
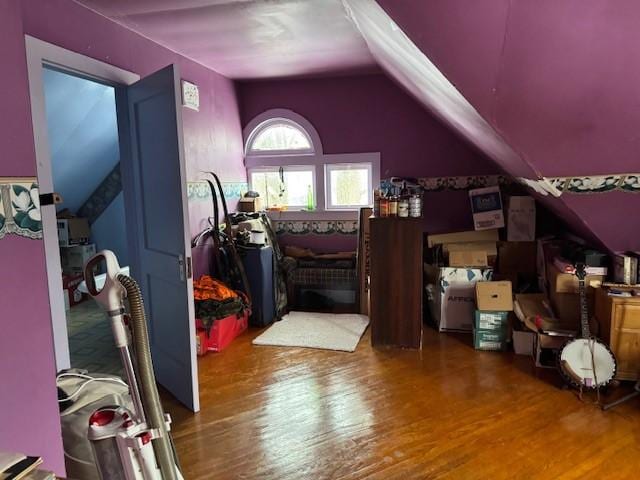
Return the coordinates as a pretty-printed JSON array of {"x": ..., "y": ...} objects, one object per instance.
[{"x": 446, "y": 412}]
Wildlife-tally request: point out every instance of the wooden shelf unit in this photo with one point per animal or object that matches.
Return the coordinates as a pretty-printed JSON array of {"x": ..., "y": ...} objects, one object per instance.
[
  {"x": 396, "y": 281},
  {"x": 619, "y": 323}
]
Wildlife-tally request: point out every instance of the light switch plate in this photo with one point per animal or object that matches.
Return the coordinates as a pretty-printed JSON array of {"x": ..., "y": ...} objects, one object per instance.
[{"x": 190, "y": 95}]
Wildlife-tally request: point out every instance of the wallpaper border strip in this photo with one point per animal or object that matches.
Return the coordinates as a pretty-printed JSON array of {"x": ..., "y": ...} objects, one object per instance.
[
  {"x": 587, "y": 184},
  {"x": 438, "y": 184},
  {"x": 199, "y": 190},
  {"x": 316, "y": 227},
  {"x": 20, "y": 207},
  {"x": 556, "y": 186}
]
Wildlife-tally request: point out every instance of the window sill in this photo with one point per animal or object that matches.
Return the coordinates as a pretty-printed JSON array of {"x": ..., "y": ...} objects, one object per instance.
[{"x": 319, "y": 215}]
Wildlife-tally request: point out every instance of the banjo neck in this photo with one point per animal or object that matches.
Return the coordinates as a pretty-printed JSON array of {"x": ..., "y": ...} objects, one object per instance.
[{"x": 584, "y": 311}]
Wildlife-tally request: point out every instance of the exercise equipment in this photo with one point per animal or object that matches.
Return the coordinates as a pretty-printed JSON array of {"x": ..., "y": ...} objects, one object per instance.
[{"x": 129, "y": 442}]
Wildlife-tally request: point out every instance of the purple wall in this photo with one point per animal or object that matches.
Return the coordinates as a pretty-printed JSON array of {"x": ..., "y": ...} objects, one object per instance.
[
  {"x": 370, "y": 113},
  {"x": 212, "y": 141},
  {"x": 558, "y": 80}
]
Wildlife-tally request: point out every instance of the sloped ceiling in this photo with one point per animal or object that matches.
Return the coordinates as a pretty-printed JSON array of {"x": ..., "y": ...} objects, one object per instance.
[
  {"x": 82, "y": 134},
  {"x": 545, "y": 88},
  {"x": 557, "y": 80},
  {"x": 249, "y": 38}
]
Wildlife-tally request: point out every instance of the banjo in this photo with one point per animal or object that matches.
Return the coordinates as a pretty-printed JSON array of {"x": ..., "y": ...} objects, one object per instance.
[{"x": 586, "y": 362}]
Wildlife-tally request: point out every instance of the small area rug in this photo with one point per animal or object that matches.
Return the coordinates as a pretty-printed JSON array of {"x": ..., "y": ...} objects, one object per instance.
[{"x": 327, "y": 331}]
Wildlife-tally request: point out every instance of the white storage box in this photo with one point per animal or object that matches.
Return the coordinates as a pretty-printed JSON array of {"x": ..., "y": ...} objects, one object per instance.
[
  {"x": 74, "y": 258},
  {"x": 453, "y": 299}
]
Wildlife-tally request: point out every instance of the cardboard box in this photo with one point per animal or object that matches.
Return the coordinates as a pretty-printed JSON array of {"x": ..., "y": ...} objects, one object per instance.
[
  {"x": 73, "y": 258},
  {"x": 521, "y": 219},
  {"x": 486, "y": 207},
  {"x": 568, "y": 283},
  {"x": 73, "y": 231},
  {"x": 517, "y": 257},
  {"x": 453, "y": 299},
  {"x": 490, "y": 247},
  {"x": 494, "y": 296},
  {"x": 523, "y": 342},
  {"x": 70, "y": 284},
  {"x": 491, "y": 320},
  {"x": 463, "y": 237},
  {"x": 536, "y": 312},
  {"x": 550, "y": 333},
  {"x": 250, "y": 204},
  {"x": 566, "y": 306},
  {"x": 546, "y": 349},
  {"x": 493, "y": 340},
  {"x": 468, "y": 258}
]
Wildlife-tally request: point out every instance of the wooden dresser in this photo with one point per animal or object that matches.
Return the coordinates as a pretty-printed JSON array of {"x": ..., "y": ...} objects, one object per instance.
[
  {"x": 619, "y": 323},
  {"x": 396, "y": 281}
]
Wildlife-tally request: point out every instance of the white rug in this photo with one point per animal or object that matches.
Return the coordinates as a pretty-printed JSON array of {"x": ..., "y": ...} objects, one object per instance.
[{"x": 327, "y": 331}]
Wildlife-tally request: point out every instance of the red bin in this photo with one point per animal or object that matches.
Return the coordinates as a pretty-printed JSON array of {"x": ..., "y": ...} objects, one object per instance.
[{"x": 222, "y": 332}]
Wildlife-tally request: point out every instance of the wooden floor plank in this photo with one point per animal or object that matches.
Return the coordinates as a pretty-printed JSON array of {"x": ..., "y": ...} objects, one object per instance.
[{"x": 447, "y": 412}]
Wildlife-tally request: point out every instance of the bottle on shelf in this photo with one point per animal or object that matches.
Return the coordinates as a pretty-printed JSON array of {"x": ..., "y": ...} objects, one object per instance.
[
  {"x": 384, "y": 206},
  {"x": 393, "y": 206},
  {"x": 310, "y": 205},
  {"x": 376, "y": 202}
]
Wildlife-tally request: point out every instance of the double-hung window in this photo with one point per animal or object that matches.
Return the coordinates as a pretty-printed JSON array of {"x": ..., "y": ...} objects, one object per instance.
[
  {"x": 291, "y": 186},
  {"x": 349, "y": 186}
]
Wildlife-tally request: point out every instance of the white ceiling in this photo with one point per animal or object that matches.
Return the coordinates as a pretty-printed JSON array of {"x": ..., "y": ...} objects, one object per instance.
[{"x": 244, "y": 39}]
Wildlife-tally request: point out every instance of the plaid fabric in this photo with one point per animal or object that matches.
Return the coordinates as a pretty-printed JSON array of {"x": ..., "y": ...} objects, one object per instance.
[{"x": 336, "y": 278}]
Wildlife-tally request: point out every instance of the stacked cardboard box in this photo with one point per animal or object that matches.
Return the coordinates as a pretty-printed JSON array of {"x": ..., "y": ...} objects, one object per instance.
[
  {"x": 73, "y": 258},
  {"x": 452, "y": 296},
  {"x": 517, "y": 263},
  {"x": 564, "y": 295},
  {"x": 547, "y": 332},
  {"x": 491, "y": 327},
  {"x": 73, "y": 231},
  {"x": 451, "y": 290}
]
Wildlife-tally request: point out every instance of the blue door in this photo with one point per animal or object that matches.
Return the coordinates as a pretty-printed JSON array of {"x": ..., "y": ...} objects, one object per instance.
[{"x": 154, "y": 185}]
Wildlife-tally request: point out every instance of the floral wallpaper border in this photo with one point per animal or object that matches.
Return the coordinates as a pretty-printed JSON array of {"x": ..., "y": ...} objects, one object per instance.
[
  {"x": 597, "y": 183},
  {"x": 20, "y": 207},
  {"x": 102, "y": 197},
  {"x": 437, "y": 184},
  {"x": 199, "y": 190},
  {"x": 316, "y": 227},
  {"x": 556, "y": 186}
]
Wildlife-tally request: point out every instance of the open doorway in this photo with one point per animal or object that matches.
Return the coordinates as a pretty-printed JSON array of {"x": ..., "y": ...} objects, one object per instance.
[
  {"x": 82, "y": 128},
  {"x": 154, "y": 195}
]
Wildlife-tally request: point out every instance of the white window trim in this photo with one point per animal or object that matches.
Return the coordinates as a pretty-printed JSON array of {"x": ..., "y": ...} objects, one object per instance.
[
  {"x": 290, "y": 168},
  {"x": 268, "y": 124},
  {"x": 342, "y": 166},
  {"x": 280, "y": 115},
  {"x": 318, "y": 162},
  {"x": 317, "y": 159}
]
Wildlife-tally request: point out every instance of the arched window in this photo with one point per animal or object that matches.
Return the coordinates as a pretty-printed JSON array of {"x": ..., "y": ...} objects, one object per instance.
[
  {"x": 279, "y": 136},
  {"x": 280, "y": 132}
]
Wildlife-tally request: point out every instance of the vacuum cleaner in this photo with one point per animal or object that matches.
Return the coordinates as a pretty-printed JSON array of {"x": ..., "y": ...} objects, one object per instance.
[{"x": 129, "y": 437}]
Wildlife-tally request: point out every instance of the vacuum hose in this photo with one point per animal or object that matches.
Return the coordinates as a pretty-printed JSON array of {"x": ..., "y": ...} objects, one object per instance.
[{"x": 149, "y": 390}]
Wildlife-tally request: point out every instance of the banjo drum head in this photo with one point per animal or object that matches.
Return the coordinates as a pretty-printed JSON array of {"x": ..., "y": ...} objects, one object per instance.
[{"x": 578, "y": 357}]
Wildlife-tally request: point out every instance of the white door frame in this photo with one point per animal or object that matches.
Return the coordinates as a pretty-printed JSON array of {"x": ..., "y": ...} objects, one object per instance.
[{"x": 40, "y": 53}]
